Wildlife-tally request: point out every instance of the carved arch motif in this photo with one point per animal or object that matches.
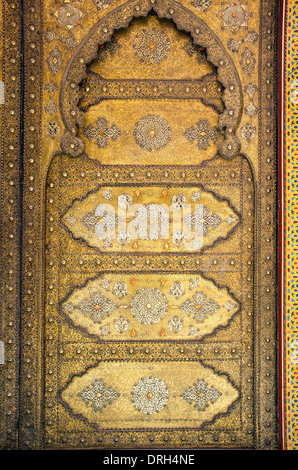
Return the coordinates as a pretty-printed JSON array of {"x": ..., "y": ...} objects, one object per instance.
[{"x": 184, "y": 20}]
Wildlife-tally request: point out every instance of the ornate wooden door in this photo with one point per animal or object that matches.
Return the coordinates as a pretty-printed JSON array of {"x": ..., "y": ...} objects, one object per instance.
[{"x": 148, "y": 244}]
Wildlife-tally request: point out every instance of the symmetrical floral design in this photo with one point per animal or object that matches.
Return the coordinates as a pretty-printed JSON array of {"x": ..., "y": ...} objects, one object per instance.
[
  {"x": 51, "y": 88},
  {"x": 50, "y": 107},
  {"x": 120, "y": 289},
  {"x": 97, "y": 307},
  {"x": 152, "y": 132},
  {"x": 121, "y": 324},
  {"x": 193, "y": 283},
  {"x": 55, "y": 60},
  {"x": 69, "y": 14},
  {"x": 201, "y": 395},
  {"x": 52, "y": 128},
  {"x": 203, "y": 133},
  {"x": 196, "y": 196},
  {"x": 50, "y": 35},
  {"x": 234, "y": 15},
  {"x": 101, "y": 132},
  {"x": 149, "y": 395},
  {"x": 175, "y": 324},
  {"x": 248, "y": 132},
  {"x": 230, "y": 305},
  {"x": 99, "y": 395},
  {"x": 247, "y": 61},
  {"x": 152, "y": 46},
  {"x": 177, "y": 289},
  {"x": 234, "y": 45},
  {"x": 200, "y": 307},
  {"x": 193, "y": 331},
  {"x": 202, "y": 219},
  {"x": 149, "y": 305},
  {"x": 250, "y": 90},
  {"x": 107, "y": 194},
  {"x": 179, "y": 201},
  {"x": 178, "y": 237}
]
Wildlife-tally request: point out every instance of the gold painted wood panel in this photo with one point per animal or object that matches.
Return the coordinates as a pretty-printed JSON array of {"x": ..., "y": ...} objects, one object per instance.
[{"x": 148, "y": 225}]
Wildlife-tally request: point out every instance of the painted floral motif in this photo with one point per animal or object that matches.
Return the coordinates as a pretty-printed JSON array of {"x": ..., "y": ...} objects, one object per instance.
[
  {"x": 71, "y": 219},
  {"x": 123, "y": 237},
  {"x": 50, "y": 107},
  {"x": 175, "y": 324},
  {"x": 202, "y": 220},
  {"x": 193, "y": 331},
  {"x": 234, "y": 45},
  {"x": 200, "y": 395},
  {"x": 152, "y": 46},
  {"x": 124, "y": 201},
  {"x": 101, "y": 132},
  {"x": 193, "y": 283},
  {"x": 55, "y": 60},
  {"x": 231, "y": 220},
  {"x": 248, "y": 132},
  {"x": 250, "y": 90},
  {"x": 200, "y": 307},
  {"x": 177, "y": 289},
  {"x": 152, "y": 132},
  {"x": 149, "y": 395},
  {"x": 234, "y": 15},
  {"x": 248, "y": 61},
  {"x": 107, "y": 194},
  {"x": 108, "y": 49},
  {"x": 105, "y": 284},
  {"x": 203, "y": 133},
  {"x": 120, "y": 289},
  {"x": 69, "y": 14},
  {"x": 52, "y": 128},
  {"x": 102, "y": 4},
  {"x": 51, "y": 88},
  {"x": 201, "y": 5},
  {"x": 105, "y": 330},
  {"x": 190, "y": 48},
  {"x": 196, "y": 196},
  {"x": 99, "y": 395},
  {"x": 178, "y": 237},
  {"x": 149, "y": 305},
  {"x": 89, "y": 220},
  {"x": 69, "y": 42},
  {"x": 179, "y": 201},
  {"x": 97, "y": 307},
  {"x": 121, "y": 324},
  {"x": 230, "y": 305}
]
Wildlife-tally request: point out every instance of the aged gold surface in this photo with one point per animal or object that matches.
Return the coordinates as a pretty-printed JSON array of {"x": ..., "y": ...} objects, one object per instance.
[{"x": 148, "y": 341}]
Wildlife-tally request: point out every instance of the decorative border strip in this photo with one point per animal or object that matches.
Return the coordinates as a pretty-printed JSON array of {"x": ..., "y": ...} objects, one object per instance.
[
  {"x": 31, "y": 372},
  {"x": 265, "y": 307},
  {"x": 288, "y": 222},
  {"x": 10, "y": 222}
]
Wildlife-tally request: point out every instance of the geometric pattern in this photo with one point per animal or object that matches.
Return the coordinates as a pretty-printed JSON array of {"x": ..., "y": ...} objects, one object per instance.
[{"x": 288, "y": 220}]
